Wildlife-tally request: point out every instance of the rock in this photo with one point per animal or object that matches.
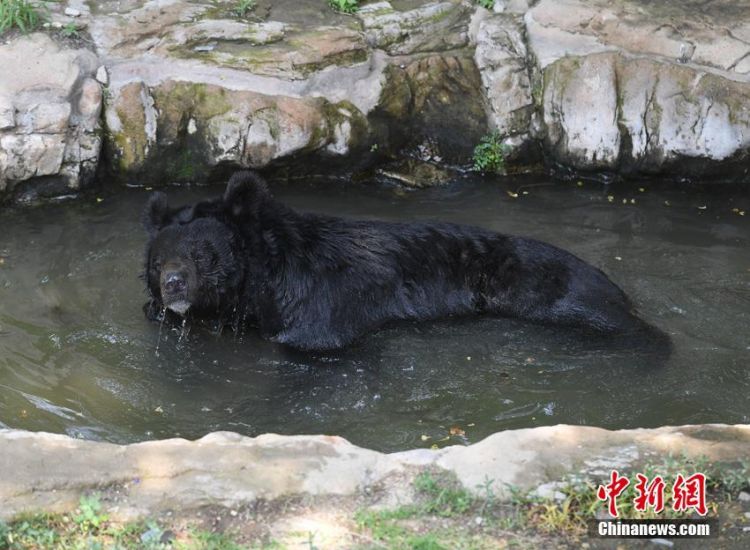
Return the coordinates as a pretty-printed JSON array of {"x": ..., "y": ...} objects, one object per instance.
[
  {"x": 643, "y": 88},
  {"x": 221, "y": 468},
  {"x": 187, "y": 95},
  {"x": 580, "y": 101},
  {"x": 89, "y": 105},
  {"x": 72, "y": 12},
  {"x": 501, "y": 58},
  {"x": 295, "y": 59},
  {"x": 178, "y": 131},
  {"x": 230, "y": 31},
  {"x": 434, "y": 27},
  {"x": 44, "y": 118},
  {"x": 47, "y": 472},
  {"x": 49, "y": 116},
  {"x": 629, "y": 87},
  {"x": 102, "y": 76},
  {"x": 27, "y": 156},
  {"x": 608, "y": 111},
  {"x": 7, "y": 113},
  {"x": 512, "y": 6},
  {"x": 550, "y": 491},
  {"x": 435, "y": 108},
  {"x": 417, "y": 174},
  {"x": 743, "y": 496},
  {"x": 669, "y": 29},
  {"x": 189, "y": 90},
  {"x": 140, "y": 27}
]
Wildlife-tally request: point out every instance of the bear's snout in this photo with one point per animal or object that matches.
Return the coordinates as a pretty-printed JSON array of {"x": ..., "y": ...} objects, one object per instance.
[
  {"x": 177, "y": 284},
  {"x": 174, "y": 282}
]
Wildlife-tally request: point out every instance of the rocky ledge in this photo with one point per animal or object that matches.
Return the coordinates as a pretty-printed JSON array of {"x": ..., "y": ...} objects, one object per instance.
[
  {"x": 41, "y": 471},
  {"x": 189, "y": 89}
]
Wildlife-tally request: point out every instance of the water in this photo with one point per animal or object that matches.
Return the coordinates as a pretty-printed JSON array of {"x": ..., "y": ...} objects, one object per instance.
[{"x": 78, "y": 357}]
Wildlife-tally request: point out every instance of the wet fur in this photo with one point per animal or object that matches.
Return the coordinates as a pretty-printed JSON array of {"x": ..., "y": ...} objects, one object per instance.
[{"x": 319, "y": 282}]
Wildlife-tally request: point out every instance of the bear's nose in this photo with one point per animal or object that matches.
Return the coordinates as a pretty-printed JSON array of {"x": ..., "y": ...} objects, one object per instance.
[{"x": 174, "y": 282}]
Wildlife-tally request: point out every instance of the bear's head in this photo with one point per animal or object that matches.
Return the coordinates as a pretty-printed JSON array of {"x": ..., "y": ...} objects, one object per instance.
[{"x": 195, "y": 259}]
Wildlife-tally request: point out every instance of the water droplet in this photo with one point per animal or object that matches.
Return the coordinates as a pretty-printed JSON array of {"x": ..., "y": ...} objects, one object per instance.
[{"x": 162, "y": 316}]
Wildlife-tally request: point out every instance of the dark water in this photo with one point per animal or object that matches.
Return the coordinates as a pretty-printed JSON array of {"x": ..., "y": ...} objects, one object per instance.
[{"x": 78, "y": 357}]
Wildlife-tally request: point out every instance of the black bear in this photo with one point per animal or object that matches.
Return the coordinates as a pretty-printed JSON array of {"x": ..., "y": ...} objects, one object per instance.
[{"x": 318, "y": 282}]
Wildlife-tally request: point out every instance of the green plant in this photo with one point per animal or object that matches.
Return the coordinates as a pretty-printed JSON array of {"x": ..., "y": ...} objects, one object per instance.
[
  {"x": 243, "y": 7},
  {"x": 29, "y": 532},
  {"x": 487, "y": 4},
  {"x": 344, "y": 6},
  {"x": 21, "y": 14},
  {"x": 444, "y": 497},
  {"x": 204, "y": 540},
  {"x": 89, "y": 517},
  {"x": 735, "y": 480},
  {"x": 70, "y": 30},
  {"x": 489, "y": 155},
  {"x": 90, "y": 528}
]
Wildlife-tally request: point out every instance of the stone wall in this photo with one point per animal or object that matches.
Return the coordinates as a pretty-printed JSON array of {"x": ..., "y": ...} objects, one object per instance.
[{"x": 190, "y": 90}]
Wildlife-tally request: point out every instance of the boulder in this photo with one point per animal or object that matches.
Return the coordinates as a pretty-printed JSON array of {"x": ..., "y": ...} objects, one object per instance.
[
  {"x": 607, "y": 111},
  {"x": 433, "y": 27},
  {"x": 191, "y": 91},
  {"x": 503, "y": 61},
  {"x": 49, "y": 117},
  {"x": 644, "y": 87},
  {"x": 179, "y": 131},
  {"x": 433, "y": 108}
]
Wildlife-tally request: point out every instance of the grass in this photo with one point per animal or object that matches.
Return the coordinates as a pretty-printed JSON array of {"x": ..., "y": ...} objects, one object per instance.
[
  {"x": 489, "y": 155},
  {"x": 90, "y": 527},
  {"x": 70, "y": 30},
  {"x": 579, "y": 504},
  {"x": 442, "y": 515},
  {"x": 344, "y": 6},
  {"x": 447, "y": 516},
  {"x": 487, "y": 4},
  {"x": 243, "y": 8},
  {"x": 441, "y": 518},
  {"x": 20, "y": 14}
]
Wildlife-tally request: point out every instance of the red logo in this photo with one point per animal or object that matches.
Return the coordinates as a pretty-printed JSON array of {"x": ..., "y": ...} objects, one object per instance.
[
  {"x": 687, "y": 493},
  {"x": 650, "y": 495},
  {"x": 612, "y": 490},
  {"x": 690, "y": 493}
]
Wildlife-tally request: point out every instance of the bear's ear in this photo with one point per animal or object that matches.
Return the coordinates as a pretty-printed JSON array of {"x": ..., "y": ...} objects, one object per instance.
[
  {"x": 156, "y": 214},
  {"x": 245, "y": 195}
]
